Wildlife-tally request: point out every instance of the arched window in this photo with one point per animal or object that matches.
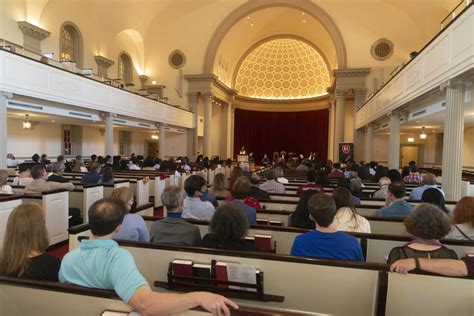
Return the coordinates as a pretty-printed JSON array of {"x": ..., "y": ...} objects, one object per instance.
[
  {"x": 70, "y": 46},
  {"x": 125, "y": 68}
]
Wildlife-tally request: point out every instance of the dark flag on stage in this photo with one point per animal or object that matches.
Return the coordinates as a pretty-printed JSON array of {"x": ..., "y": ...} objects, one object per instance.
[{"x": 346, "y": 152}]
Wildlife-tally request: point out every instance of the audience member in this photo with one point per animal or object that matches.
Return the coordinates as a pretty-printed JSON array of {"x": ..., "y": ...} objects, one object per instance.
[
  {"x": 36, "y": 159},
  {"x": 303, "y": 166},
  {"x": 219, "y": 186},
  {"x": 336, "y": 172},
  {"x": 107, "y": 176},
  {"x": 193, "y": 206},
  {"x": 380, "y": 172},
  {"x": 227, "y": 229},
  {"x": 270, "y": 185},
  {"x": 133, "y": 226},
  {"x": 413, "y": 176},
  {"x": 57, "y": 170},
  {"x": 449, "y": 267},
  {"x": 396, "y": 206},
  {"x": 427, "y": 224},
  {"x": 92, "y": 161},
  {"x": 382, "y": 193},
  {"x": 24, "y": 246},
  {"x": 325, "y": 241},
  {"x": 11, "y": 160},
  {"x": 255, "y": 191},
  {"x": 93, "y": 176},
  {"x": 234, "y": 174},
  {"x": 133, "y": 164},
  {"x": 463, "y": 220},
  {"x": 241, "y": 192},
  {"x": 345, "y": 183},
  {"x": 435, "y": 197},
  {"x": 100, "y": 263},
  {"x": 300, "y": 217},
  {"x": 355, "y": 183},
  {"x": 346, "y": 218},
  {"x": 39, "y": 183},
  {"x": 173, "y": 229},
  {"x": 44, "y": 160},
  {"x": 24, "y": 178},
  {"x": 279, "y": 175},
  {"x": 311, "y": 177},
  {"x": 429, "y": 181},
  {"x": 394, "y": 175},
  {"x": 4, "y": 187}
]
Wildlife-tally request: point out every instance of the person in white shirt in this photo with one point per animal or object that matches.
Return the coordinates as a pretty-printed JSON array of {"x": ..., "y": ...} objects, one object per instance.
[
  {"x": 193, "y": 206},
  {"x": 382, "y": 193},
  {"x": 11, "y": 160},
  {"x": 4, "y": 187},
  {"x": 346, "y": 218},
  {"x": 24, "y": 178},
  {"x": 133, "y": 165}
]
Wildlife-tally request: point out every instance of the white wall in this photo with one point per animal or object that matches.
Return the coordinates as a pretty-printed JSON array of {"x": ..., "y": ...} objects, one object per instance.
[{"x": 176, "y": 145}]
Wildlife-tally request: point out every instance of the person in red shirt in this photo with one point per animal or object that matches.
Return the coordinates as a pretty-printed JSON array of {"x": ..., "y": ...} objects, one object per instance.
[{"x": 311, "y": 185}]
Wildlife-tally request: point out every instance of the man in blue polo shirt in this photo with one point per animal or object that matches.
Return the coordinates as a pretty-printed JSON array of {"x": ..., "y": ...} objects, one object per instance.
[
  {"x": 325, "y": 241},
  {"x": 100, "y": 263},
  {"x": 396, "y": 204}
]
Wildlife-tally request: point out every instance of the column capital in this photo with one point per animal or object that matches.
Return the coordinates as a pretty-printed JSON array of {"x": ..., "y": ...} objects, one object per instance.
[
  {"x": 455, "y": 83},
  {"x": 108, "y": 114},
  {"x": 208, "y": 96},
  {"x": 193, "y": 98},
  {"x": 159, "y": 124},
  {"x": 32, "y": 30},
  {"x": 6, "y": 94},
  {"x": 103, "y": 61},
  {"x": 340, "y": 94},
  {"x": 359, "y": 93}
]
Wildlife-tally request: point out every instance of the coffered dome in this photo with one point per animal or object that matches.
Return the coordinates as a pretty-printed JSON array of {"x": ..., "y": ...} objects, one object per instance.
[{"x": 284, "y": 68}]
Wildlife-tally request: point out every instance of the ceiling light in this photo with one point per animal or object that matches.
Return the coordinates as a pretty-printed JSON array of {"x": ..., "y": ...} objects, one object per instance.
[
  {"x": 423, "y": 134},
  {"x": 411, "y": 139},
  {"x": 303, "y": 13},
  {"x": 304, "y": 21},
  {"x": 248, "y": 17},
  {"x": 155, "y": 136},
  {"x": 251, "y": 25},
  {"x": 153, "y": 82},
  {"x": 26, "y": 123}
]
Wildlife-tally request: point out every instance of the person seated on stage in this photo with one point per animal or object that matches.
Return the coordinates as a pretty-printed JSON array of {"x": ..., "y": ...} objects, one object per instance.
[
  {"x": 4, "y": 187},
  {"x": 219, "y": 186},
  {"x": 265, "y": 160},
  {"x": 24, "y": 178},
  {"x": 193, "y": 206},
  {"x": 24, "y": 246},
  {"x": 93, "y": 176},
  {"x": 336, "y": 172},
  {"x": 325, "y": 241},
  {"x": 11, "y": 160},
  {"x": 57, "y": 170},
  {"x": 133, "y": 226},
  {"x": 227, "y": 229},
  {"x": 435, "y": 197},
  {"x": 429, "y": 181},
  {"x": 173, "y": 229},
  {"x": 251, "y": 157},
  {"x": 396, "y": 206},
  {"x": 346, "y": 218},
  {"x": 279, "y": 175},
  {"x": 382, "y": 193},
  {"x": 413, "y": 176},
  {"x": 427, "y": 224},
  {"x": 241, "y": 197},
  {"x": 311, "y": 177},
  {"x": 255, "y": 191},
  {"x": 100, "y": 263},
  {"x": 242, "y": 151},
  {"x": 463, "y": 220},
  {"x": 270, "y": 185},
  {"x": 300, "y": 217}
]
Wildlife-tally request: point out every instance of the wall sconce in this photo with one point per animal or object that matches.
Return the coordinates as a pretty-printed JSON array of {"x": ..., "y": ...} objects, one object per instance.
[
  {"x": 423, "y": 134},
  {"x": 411, "y": 139},
  {"x": 26, "y": 123}
]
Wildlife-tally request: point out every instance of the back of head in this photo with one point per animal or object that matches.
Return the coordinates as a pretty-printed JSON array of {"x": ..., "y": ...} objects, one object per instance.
[
  {"x": 337, "y": 165},
  {"x": 413, "y": 168},
  {"x": 435, "y": 197},
  {"x": 427, "y": 221},
  {"x": 384, "y": 181},
  {"x": 429, "y": 179},
  {"x": 464, "y": 211},
  {"x": 58, "y": 167},
  {"x": 94, "y": 157},
  {"x": 278, "y": 172},
  {"x": 269, "y": 174},
  {"x": 37, "y": 172},
  {"x": 60, "y": 158},
  {"x": 106, "y": 215},
  {"x": 254, "y": 178},
  {"x": 123, "y": 194},
  {"x": 322, "y": 208},
  {"x": 171, "y": 197},
  {"x": 397, "y": 188},
  {"x": 220, "y": 182},
  {"x": 25, "y": 233},
  {"x": 229, "y": 222},
  {"x": 241, "y": 189},
  {"x": 35, "y": 157},
  {"x": 394, "y": 175},
  {"x": 342, "y": 197},
  {"x": 107, "y": 174},
  {"x": 193, "y": 183},
  {"x": 300, "y": 217},
  {"x": 95, "y": 167},
  {"x": 23, "y": 167},
  {"x": 3, "y": 177},
  {"x": 312, "y": 176}
]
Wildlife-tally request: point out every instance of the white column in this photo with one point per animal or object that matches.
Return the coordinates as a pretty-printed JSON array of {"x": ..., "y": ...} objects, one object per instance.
[
  {"x": 193, "y": 105},
  {"x": 369, "y": 143},
  {"x": 229, "y": 139},
  {"x": 4, "y": 96},
  {"x": 394, "y": 141},
  {"x": 207, "y": 125},
  {"x": 358, "y": 139},
  {"x": 453, "y": 139},
  {"x": 332, "y": 110},
  {"x": 339, "y": 121},
  {"x": 162, "y": 142},
  {"x": 109, "y": 134}
]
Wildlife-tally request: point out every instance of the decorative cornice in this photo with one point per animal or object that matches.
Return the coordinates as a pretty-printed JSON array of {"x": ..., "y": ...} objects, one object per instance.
[
  {"x": 340, "y": 93},
  {"x": 283, "y": 101},
  {"x": 453, "y": 83},
  {"x": 103, "y": 61},
  {"x": 200, "y": 78},
  {"x": 143, "y": 78},
  {"x": 354, "y": 72},
  {"x": 32, "y": 30}
]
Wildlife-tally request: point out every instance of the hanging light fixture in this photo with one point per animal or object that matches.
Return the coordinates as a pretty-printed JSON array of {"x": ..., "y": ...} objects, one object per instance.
[
  {"x": 155, "y": 136},
  {"x": 26, "y": 123},
  {"x": 423, "y": 134}
]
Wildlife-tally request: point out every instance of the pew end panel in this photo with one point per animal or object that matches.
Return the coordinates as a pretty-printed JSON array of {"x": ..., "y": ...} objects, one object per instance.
[{"x": 6, "y": 207}]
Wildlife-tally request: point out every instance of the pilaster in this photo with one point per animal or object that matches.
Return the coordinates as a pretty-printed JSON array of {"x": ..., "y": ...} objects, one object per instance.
[
  {"x": 32, "y": 36},
  {"x": 394, "y": 141},
  {"x": 103, "y": 64},
  {"x": 4, "y": 96}
]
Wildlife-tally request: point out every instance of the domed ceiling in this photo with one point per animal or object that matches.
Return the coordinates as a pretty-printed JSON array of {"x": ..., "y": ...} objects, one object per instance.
[{"x": 284, "y": 68}]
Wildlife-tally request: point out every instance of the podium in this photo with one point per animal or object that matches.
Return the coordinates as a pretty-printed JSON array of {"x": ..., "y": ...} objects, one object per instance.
[{"x": 242, "y": 158}]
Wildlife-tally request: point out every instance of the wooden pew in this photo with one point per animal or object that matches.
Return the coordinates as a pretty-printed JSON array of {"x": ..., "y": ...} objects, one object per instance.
[
  {"x": 7, "y": 204},
  {"x": 85, "y": 197}
]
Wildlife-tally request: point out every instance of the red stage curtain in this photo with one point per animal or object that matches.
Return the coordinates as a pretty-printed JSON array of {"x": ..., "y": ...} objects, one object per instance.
[{"x": 266, "y": 132}]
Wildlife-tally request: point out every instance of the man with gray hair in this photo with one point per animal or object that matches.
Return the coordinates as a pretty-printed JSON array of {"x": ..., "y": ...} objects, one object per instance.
[
  {"x": 57, "y": 173},
  {"x": 429, "y": 181},
  {"x": 173, "y": 229}
]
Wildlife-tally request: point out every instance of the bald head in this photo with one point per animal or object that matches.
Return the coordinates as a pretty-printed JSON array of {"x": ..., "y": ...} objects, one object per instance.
[{"x": 429, "y": 179}]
